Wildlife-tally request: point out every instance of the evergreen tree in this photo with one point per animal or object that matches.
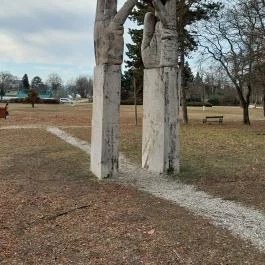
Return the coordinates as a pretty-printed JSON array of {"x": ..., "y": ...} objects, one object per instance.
[
  {"x": 126, "y": 84},
  {"x": 188, "y": 13},
  {"x": 25, "y": 83},
  {"x": 198, "y": 79},
  {"x": 134, "y": 52},
  {"x": 187, "y": 75},
  {"x": 37, "y": 84},
  {"x": 134, "y": 49}
]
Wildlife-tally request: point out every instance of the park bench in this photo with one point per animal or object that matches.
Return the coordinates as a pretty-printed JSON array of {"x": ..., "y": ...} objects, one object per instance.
[
  {"x": 213, "y": 119},
  {"x": 3, "y": 111}
]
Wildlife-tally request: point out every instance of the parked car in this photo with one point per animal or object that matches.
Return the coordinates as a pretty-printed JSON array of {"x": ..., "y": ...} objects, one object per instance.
[{"x": 66, "y": 100}]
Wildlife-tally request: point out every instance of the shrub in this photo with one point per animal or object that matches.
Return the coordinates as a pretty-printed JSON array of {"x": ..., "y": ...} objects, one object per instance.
[{"x": 214, "y": 101}]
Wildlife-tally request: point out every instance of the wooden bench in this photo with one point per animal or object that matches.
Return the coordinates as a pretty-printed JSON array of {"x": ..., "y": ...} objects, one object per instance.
[
  {"x": 213, "y": 119},
  {"x": 3, "y": 111}
]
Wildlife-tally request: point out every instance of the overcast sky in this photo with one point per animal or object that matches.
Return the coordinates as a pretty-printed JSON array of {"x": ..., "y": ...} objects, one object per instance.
[{"x": 39, "y": 37}]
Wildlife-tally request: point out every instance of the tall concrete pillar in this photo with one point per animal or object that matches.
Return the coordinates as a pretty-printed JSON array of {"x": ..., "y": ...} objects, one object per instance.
[
  {"x": 109, "y": 46},
  {"x": 106, "y": 121},
  {"x": 160, "y": 146}
]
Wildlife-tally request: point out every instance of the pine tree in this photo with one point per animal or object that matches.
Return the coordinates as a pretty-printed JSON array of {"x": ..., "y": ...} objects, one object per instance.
[
  {"x": 187, "y": 75},
  {"x": 25, "y": 83},
  {"x": 188, "y": 13},
  {"x": 134, "y": 62}
]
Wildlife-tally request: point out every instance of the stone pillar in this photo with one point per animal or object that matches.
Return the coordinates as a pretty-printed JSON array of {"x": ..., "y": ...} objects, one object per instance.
[
  {"x": 105, "y": 120},
  {"x": 160, "y": 147},
  {"x": 109, "y": 46}
]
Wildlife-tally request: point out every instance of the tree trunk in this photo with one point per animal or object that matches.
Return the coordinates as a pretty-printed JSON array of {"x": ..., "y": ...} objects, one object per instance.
[
  {"x": 246, "y": 120},
  {"x": 264, "y": 99},
  {"x": 246, "y": 105},
  {"x": 2, "y": 93},
  {"x": 184, "y": 105},
  {"x": 135, "y": 101},
  {"x": 182, "y": 87},
  {"x": 264, "y": 105}
]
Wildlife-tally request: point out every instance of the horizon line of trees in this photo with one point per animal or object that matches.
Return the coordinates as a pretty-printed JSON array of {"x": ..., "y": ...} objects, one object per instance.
[
  {"x": 232, "y": 36},
  {"x": 236, "y": 42},
  {"x": 53, "y": 85}
]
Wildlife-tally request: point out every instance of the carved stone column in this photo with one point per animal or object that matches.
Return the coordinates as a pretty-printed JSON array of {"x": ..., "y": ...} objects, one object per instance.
[
  {"x": 106, "y": 121},
  {"x": 160, "y": 145},
  {"x": 109, "y": 45},
  {"x": 160, "y": 148}
]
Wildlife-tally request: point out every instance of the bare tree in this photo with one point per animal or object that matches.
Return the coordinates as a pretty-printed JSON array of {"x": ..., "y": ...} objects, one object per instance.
[
  {"x": 84, "y": 86},
  {"x": 190, "y": 12},
  {"x": 232, "y": 41},
  {"x": 32, "y": 96},
  {"x": 37, "y": 84},
  {"x": 256, "y": 8},
  {"x": 55, "y": 82},
  {"x": 70, "y": 87},
  {"x": 5, "y": 80}
]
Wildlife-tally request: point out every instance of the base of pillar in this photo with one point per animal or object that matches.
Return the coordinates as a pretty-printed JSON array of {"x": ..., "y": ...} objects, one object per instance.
[
  {"x": 106, "y": 121},
  {"x": 160, "y": 147}
]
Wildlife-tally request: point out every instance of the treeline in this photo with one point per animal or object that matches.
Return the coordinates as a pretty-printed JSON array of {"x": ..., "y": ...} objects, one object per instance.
[
  {"x": 53, "y": 86},
  {"x": 229, "y": 39},
  {"x": 236, "y": 42}
]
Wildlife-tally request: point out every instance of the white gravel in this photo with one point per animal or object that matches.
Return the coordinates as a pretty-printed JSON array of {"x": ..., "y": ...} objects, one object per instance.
[
  {"x": 243, "y": 222},
  {"x": 83, "y": 145}
]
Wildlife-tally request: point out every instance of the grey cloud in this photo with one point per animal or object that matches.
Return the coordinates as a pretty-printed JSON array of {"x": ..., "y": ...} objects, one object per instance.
[
  {"x": 48, "y": 32},
  {"x": 45, "y": 19}
]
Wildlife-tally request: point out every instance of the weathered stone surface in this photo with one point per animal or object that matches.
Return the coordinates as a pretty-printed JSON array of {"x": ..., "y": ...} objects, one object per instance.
[
  {"x": 105, "y": 121},
  {"x": 160, "y": 147},
  {"x": 159, "y": 45},
  {"x": 108, "y": 32},
  {"x": 109, "y": 46},
  {"x": 151, "y": 44}
]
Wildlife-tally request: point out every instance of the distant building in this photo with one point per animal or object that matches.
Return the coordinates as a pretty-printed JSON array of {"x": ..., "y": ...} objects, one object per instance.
[
  {"x": 13, "y": 88},
  {"x": 14, "y": 91}
]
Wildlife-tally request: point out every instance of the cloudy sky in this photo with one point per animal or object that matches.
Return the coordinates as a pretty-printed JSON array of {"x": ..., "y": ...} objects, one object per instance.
[{"x": 39, "y": 37}]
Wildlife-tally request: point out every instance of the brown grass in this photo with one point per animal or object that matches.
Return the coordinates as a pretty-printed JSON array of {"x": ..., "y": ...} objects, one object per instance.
[
  {"x": 43, "y": 114},
  {"x": 227, "y": 160},
  {"x": 53, "y": 211}
]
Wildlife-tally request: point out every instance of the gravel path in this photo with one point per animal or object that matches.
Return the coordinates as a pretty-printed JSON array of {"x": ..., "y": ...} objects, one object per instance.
[{"x": 243, "y": 222}]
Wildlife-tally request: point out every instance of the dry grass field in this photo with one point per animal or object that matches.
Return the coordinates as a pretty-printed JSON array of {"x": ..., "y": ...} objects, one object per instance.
[
  {"x": 53, "y": 211},
  {"x": 227, "y": 160}
]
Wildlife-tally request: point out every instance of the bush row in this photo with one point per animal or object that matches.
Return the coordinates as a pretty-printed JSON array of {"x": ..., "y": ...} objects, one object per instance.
[{"x": 26, "y": 100}]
